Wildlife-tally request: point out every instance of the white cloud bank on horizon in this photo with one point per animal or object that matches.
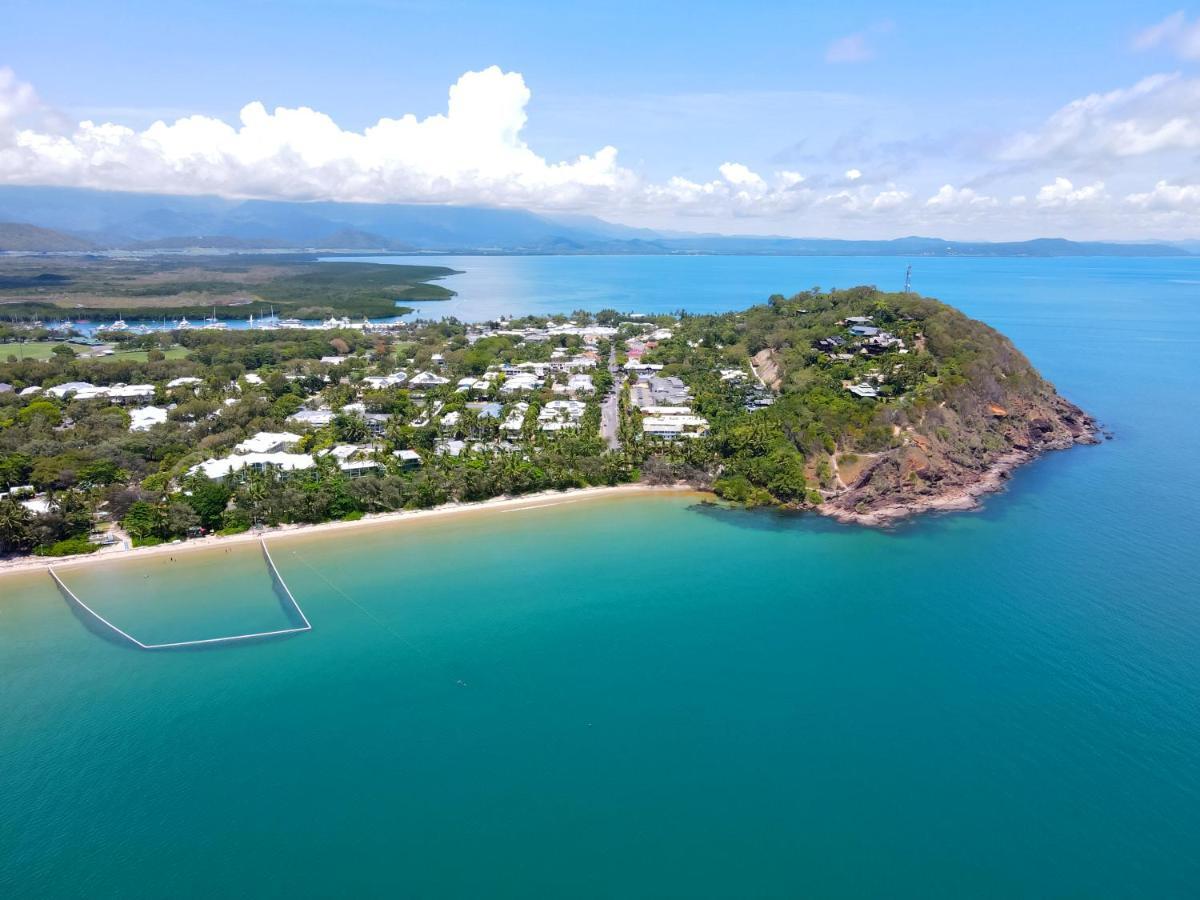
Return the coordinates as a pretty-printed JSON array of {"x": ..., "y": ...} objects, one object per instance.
[{"x": 475, "y": 154}]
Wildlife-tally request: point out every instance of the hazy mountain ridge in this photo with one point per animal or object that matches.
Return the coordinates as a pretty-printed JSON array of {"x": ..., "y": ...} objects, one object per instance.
[
  {"x": 21, "y": 237},
  {"x": 81, "y": 219}
]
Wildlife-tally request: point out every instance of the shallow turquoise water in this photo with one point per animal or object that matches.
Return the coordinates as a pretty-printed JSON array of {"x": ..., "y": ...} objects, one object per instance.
[{"x": 653, "y": 697}]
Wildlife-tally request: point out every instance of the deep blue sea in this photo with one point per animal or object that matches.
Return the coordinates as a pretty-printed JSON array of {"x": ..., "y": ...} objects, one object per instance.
[{"x": 658, "y": 697}]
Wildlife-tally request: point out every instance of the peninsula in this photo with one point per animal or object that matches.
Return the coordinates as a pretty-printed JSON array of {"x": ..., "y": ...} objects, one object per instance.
[{"x": 858, "y": 404}]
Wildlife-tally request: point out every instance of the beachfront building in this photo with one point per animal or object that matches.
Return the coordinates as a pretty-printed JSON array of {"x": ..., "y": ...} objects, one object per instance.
[
  {"x": 355, "y": 461},
  {"x": 239, "y": 464},
  {"x": 409, "y": 459}
]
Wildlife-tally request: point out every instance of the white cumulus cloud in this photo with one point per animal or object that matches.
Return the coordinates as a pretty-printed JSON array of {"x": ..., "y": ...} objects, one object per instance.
[
  {"x": 1159, "y": 113},
  {"x": 1166, "y": 197},
  {"x": 16, "y": 97},
  {"x": 473, "y": 152},
  {"x": 1062, "y": 193},
  {"x": 740, "y": 176},
  {"x": 866, "y": 200},
  {"x": 951, "y": 199}
]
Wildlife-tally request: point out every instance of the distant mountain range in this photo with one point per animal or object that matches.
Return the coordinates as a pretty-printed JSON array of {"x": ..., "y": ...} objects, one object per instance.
[
  {"x": 72, "y": 219},
  {"x": 18, "y": 236}
]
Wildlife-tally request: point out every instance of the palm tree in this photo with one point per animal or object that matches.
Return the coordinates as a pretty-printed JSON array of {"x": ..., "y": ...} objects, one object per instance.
[{"x": 16, "y": 526}]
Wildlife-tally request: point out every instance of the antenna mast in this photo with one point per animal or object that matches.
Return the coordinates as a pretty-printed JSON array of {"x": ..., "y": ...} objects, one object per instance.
[{"x": 908, "y": 280}]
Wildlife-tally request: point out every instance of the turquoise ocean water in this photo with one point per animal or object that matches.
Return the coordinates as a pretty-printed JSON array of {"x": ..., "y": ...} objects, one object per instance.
[{"x": 656, "y": 697}]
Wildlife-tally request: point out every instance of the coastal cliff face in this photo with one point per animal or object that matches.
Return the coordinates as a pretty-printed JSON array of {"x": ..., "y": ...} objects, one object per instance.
[{"x": 959, "y": 450}]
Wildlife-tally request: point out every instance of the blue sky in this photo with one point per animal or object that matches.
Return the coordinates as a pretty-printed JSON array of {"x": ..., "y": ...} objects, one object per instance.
[{"x": 846, "y": 119}]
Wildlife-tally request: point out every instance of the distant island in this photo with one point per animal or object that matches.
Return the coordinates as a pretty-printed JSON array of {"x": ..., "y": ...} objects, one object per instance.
[
  {"x": 862, "y": 405},
  {"x": 183, "y": 286}
]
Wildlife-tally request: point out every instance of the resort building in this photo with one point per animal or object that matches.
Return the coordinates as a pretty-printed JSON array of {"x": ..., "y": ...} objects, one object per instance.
[{"x": 257, "y": 462}]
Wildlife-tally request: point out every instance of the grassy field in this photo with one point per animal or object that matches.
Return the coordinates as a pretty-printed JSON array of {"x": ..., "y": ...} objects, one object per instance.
[
  {"x": 43, "y": 349},
  {"x": 231, "y": 286},
  {"x": 30, "y": 350},
  {"x": 140, "y": 355}
]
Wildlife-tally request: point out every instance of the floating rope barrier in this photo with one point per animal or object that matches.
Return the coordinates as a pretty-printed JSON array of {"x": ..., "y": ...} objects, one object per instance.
[
  {"x": 228, "y": 639},
  {"x": 366, "y": 612}
]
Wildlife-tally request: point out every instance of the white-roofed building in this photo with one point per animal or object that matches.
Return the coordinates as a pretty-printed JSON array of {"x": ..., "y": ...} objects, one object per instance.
[
  {"x": 317, "y": 418},
  {"x": 409, "y": 459},
  {"x": 521, "y": 381},
  {"x": 674, "y": 426},
  {"x": 428, "y": 379},
  {"x": 516, "y": 418},
  {"x": 381, "y": 382},
  {"x": 576, "y": 384},
  {"x": 146, "y": 417},
  {"x": 131, "y": 393},
  {"x": 258, "y": 462},
  {"x": 67, "y": 389},
  {"x": 268, "y": 442},
  {"x": 561, "y": 414}
]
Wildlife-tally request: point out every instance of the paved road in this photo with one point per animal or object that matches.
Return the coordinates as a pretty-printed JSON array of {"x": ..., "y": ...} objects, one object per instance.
[{"x": 610, "y": 410}]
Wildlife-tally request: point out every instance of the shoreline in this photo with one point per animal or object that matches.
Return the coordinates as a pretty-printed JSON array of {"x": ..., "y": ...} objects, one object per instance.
[
  {"x": 541, "y": 499},
  {"x": 959, "y": 498},
  {"x": 962, "y": 497}
]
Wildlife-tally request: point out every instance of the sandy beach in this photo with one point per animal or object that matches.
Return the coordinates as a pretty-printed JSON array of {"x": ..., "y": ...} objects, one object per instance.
[{"x": 24, "y": 564}]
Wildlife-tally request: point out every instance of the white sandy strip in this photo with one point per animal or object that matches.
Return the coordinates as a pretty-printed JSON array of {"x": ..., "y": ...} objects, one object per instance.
[{"x": 529, "y": 501}]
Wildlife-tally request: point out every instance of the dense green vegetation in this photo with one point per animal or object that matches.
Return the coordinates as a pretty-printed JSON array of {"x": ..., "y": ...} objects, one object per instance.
[
  {"x": 941, "y": 382},
  {"x": 186, "y": 285},
  {"x": 84, "y": 457},
  {"x": 786, "y": 452}
]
